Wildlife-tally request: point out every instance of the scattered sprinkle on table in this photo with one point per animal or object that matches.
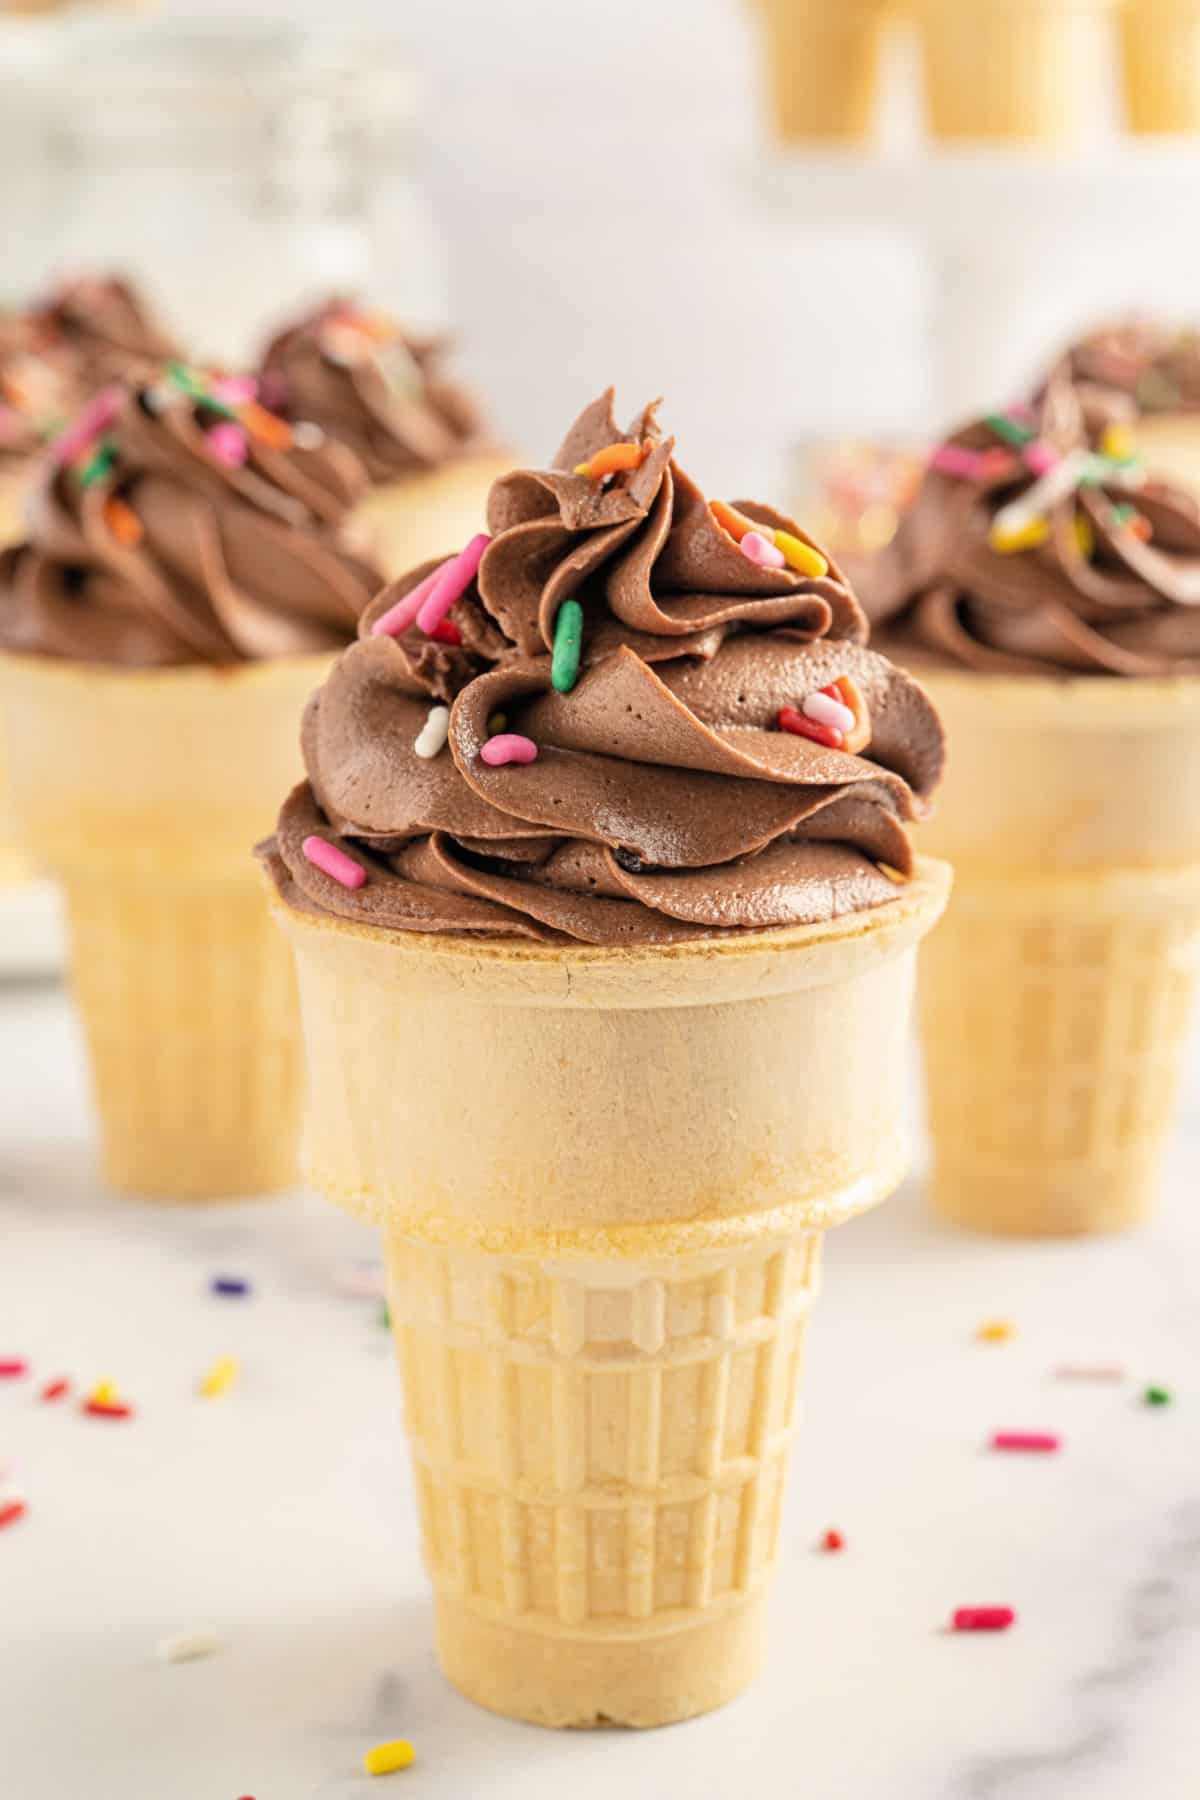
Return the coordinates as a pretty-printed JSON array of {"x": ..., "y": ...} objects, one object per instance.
[
  {"x": 220, "y": 1378},
  {"x": 10, "y": 1512},
  {"x": 12, "y": 1367},
  {"x": 1157, "y": 1396},
  {"x": 56, "y": 1390},
  {"x": 231, "y": 1285},
  {"x": 107, "y": 1409},
  {"x": 190, "y": 1647},
  {"x": 385, "y": 1759},
  {"x": 995, "y": 1331},
  {"x": 385, "y": 1317},
  {"x": 984, "y": 1618},
  {"x": 1026, "y": 1440},
  {"x": 1090, "y": 1372},
  {"x": 833, "y": 1540}
]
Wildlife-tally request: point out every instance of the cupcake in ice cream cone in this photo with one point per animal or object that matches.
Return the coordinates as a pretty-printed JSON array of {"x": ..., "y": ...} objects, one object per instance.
[
  {"x": 604, "y": 911},
  {"x": 420, "y": 436},
  {"x": 1048, "y": 592},
  {"x": 182, "y": 590},
  {"x": 1144, "y": 376}
]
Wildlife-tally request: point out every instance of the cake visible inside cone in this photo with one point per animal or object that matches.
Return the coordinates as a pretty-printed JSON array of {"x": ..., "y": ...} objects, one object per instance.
[{"x": 664, "y": 723}]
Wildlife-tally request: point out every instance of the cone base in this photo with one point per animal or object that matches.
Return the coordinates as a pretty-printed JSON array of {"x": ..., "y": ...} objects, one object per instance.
[
  {"x": 590, "y": 1682},
  {"x": 1032, "y": 1201}
]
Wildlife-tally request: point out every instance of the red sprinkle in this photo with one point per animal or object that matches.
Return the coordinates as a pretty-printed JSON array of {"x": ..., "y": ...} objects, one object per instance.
[
  {"x": 790, "y": 719},
  {"x": 13, "y": 1366},
  {"x": 108, "y": 1409},
  {"x": 55, "y": 1390},
  {"x": 446, "y": 632},
  {"x": 1026, "y": 1440},
  {"x": 833, "y": 1540},
  {"x": 984, "y": 1618},
  {"x": 10, "y": 1512}
]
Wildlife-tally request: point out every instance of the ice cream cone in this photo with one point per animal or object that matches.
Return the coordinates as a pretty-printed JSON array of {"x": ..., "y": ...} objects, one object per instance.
[
  {"x": 1013, "y": 69},
  {"x": 822, "y": 65},
  {"x": 1160, "y": 43},
  {"x": 403, "y": 523},
  {"x": 603, "y": 1178},
  {"x": 1055, "y": 998},
  {"x": 141, "y": 791}
]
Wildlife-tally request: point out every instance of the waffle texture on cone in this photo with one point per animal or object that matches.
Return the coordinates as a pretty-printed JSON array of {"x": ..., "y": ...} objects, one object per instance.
[{"x": 562, "y": 976}]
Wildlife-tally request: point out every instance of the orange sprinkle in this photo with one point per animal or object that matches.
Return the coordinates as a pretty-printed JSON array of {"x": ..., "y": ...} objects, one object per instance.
[
  {"x": 1141, "y": 528},
  {"x": 734, "y": 522},
  {"x": 265, "y": 425},
  {"x": 851, "y": 695},
  {"x": 123, "y": 522},
  {"x": 612, "y": 459}
]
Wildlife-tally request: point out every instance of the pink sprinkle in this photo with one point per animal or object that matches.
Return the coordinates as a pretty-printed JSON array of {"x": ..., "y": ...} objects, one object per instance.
[
  {"x": 1026, "y": 1440},
  {"x": 508, "y": 747},
  {"x": 758, "y": 549},
  {"x": 969, "y": 465},
  {"x": 827, "y": 712},
  {"x": 333, "y": 862},
  {"x": 1040, "y": 458},
  {"x": 228, "y": 443},
  {"x": 12, "y": 1367},
  {"x": 96, "y": 417},
  {"x": 397, "y": 619},
  {"x": 235, "y": 390},
  {"x": 984, "y": 1618},
  {"x": 453, "y": 582}
]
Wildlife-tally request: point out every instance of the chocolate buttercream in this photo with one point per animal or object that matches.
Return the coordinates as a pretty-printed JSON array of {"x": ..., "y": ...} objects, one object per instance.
[
  {"x": 373, "y": 387},
  {"x": 37, "y": 388},
  {"x": 1112, "y": 588},
  {"x": 109, "y": 328},
  {"x": 155, "y": 539},
  {"x": 665, "y": 802}
]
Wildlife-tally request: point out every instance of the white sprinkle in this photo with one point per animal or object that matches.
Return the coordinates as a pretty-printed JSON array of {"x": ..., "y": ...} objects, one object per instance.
[
  {"x": 827, "y": 712},
  {"x": 433, "y": 733},
  {"x": 190, "y": 1647},
  {"x": 307, "y": 436},
  {"x": 1036, "y": 502}
]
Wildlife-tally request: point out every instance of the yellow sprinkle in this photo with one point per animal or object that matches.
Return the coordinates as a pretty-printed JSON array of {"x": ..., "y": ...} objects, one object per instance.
[
  {"x": 1085, "y": 537},
  {"x": 582, "y": 469},
  {"x": 220, "y": 1377},
  {"x": 892, "y": 874},
  {"x": 385, "y": 1759},
  {"x": 995, "y": 1331},
  {"x": 800, "y": 555},
  {"x": 497, "y": 723},
  {"x": 1117, "y": 442},
  {"x": 104, "y": 1393},
  {"x": 1028, "y": 537}
]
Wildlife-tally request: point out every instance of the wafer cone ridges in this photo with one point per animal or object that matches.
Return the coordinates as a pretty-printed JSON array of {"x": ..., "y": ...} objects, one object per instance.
[
  {"x": 142, "y": 792},
  {"x": 1056, "y": 997},
  {"x": 604, "y": 1179}
]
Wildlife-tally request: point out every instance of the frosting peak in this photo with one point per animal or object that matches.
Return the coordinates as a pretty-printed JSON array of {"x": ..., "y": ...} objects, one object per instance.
[
  {"x": 680, "y": 767},
  {"x": 176, "y": 522},
  {"x": 373, "y": 387},
  {"x": 1037, "y": 544}
]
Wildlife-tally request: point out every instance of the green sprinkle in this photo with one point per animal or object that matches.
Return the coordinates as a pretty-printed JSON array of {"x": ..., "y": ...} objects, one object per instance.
[
  {"x": 1009, "y": 430},
  {"x": 568, "y": 642},
  {"x": 385, "y": 1317},
  {"x": 189, "y": 384},
  {"x": 496, "y": 724},
  {"x": 97, "y": 465},
  {"x": 1157, "y": 1396},
  {"x": 1124, "y": 513}
]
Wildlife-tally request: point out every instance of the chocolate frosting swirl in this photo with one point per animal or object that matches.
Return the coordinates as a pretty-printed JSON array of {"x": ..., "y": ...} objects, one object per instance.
[
  {"x": 1113, "y": 588},
  {"x": 1137, "y": 367},
  {"x": 146, "y": 549},
  {"x": 373, "y": 387},
  {"x": 664, "y": 802},
  {"x": 37, "y": 388},
  {"x": 109, "y": 328}
]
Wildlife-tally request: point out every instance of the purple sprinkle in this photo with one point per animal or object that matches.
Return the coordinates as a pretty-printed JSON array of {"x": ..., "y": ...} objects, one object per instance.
[{"x": 230, "y": 1284}]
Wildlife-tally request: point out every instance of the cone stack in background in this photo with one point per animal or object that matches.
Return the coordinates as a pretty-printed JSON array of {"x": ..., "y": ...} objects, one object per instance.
[
  {"x": 141, "y": 791},
  {"x": 1056, "y": 995},
  {"x": 1017, "y": 71},
  {"x": 603, "y": 1178}
]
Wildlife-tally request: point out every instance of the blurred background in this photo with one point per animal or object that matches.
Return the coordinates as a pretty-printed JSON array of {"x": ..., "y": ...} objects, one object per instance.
[{"x": 678, "y": 197}]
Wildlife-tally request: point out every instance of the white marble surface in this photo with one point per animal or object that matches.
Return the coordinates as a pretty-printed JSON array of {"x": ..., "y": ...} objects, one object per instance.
[{"x": 281, "y": 1517}]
